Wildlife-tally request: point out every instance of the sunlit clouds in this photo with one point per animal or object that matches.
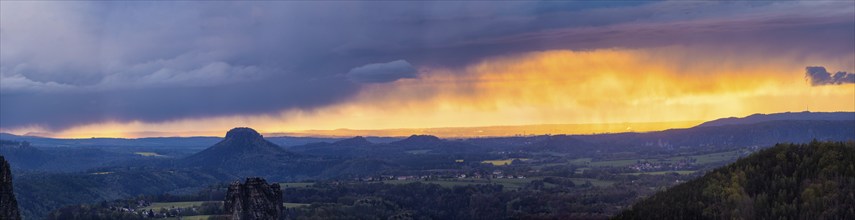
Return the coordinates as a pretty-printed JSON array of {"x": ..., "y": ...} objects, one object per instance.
[{"x": 669, "y": 84}]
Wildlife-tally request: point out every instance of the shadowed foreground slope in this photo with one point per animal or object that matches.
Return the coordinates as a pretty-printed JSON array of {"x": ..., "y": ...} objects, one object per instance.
[
  {"x": 8, "y": 204},
  {"x": 798, "y": 181}
]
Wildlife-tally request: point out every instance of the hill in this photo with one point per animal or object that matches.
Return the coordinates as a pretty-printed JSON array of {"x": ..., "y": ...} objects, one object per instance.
[
  {"x": 785, "y": 116},
  {"x": 23, "y": 156},
  {"x": 244, "y": 152},
  {"x": 799, "y": 181},
  {"x": 239, "y": 144},
  {"x": 725, "y": 137}
]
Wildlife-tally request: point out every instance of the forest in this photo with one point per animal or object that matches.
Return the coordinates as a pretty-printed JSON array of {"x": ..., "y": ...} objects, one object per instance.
[{"x": 803, "y": 181}]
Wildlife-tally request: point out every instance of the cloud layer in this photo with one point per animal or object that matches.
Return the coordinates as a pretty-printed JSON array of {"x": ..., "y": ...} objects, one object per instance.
[
  {"x": 818, "y": 76},
  {"x": 70, "y": 64},
  {"x": 382, "y": 72}
]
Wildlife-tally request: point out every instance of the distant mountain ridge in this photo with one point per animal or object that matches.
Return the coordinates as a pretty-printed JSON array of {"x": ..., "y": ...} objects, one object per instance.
[
  {"x": 785, "y": 116},
  {"x": 355, "y": 141}
]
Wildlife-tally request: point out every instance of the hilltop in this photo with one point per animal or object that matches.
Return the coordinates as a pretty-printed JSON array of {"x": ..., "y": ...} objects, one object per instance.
[
  {"x": 784, "y": 116},
  {"x": 803, "y": 181}
]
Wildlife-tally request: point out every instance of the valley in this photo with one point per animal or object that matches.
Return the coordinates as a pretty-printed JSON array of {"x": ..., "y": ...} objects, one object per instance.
[{"x": 577, "y": 176}]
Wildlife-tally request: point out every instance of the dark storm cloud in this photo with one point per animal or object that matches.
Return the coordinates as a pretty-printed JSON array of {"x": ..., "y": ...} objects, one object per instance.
[
  {"x": 382, "y": 72},
  {"x": 818, "y": 76},
  {"x": 71, "y": 63}
]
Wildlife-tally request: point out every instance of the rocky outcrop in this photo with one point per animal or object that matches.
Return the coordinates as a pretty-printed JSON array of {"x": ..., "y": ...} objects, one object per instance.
[
  {"x": 8, "y": 204},
  {"x": 254, "y": 199}
]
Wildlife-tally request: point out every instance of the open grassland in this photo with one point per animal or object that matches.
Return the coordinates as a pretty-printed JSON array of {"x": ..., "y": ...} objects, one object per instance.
[
  {"x": 594, "y": 182},
  {"x": 293, "y": 205},
  {"x": 681, "y": 172},
  {"x": 170, "y": 205},
  {"x": 508, "y": 184},
  {"x": 149, "y": 154},
  {"x": 613, "y": 163},
  {"x": 503, "y": 162},
  {"x": 418, "y": 151},
  {"x": 713, "y": 157},
  {"x": 702, "y": 159},
  {"x": 195, "y": 217}
]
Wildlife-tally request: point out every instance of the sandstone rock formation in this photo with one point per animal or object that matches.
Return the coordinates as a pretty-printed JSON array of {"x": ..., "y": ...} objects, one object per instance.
[
  {"x": 254, "y": 199},
  {"x": 8, "y": 204}
]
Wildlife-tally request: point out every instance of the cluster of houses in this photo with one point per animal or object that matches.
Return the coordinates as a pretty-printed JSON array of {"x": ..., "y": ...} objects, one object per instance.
[
  {"x": 648, "y": 166},
  {"x": 140, "y": 209},
  {"x": 497, "y": 174}
]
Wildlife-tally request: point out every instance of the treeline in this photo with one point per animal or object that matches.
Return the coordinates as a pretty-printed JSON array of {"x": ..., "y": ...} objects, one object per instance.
[
  {"x": 551, "y": 198},
  {"x": 789, "y": 181}
]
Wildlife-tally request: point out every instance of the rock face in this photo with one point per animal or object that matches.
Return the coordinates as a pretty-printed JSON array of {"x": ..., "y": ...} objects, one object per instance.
[
  {"x": 254, "y": 199},
  {"x": 8, "y": 204}
]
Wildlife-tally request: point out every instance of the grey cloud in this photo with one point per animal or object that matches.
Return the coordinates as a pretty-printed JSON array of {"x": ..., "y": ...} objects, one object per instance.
[
  {"x": 818, "y": 76},
  {"x": 160, "y": 61},
  {"x": 382, "y": 72}
]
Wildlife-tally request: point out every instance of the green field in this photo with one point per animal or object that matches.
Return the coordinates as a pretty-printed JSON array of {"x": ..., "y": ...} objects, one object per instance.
[
  {"x": 169, "y": 205},
  {"x": 195, "y": 217},
  {"x": 294, "y": 205},
  {"x": 614, "y": 163},
  {"x": 508, "y": 184},
  {"x": 580, "y": 161},
  {"x": 713, "y": 157},
  {"x": 595, "y": 182},
  {"x": 503, "y": 162},
  {"x": 701, "y": 159},
  {"x": 418, "y": 151},
  {"x": 681, "y": 172}
]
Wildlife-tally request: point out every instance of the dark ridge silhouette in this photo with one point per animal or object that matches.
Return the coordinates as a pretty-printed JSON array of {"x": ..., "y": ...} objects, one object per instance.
[
  {"x": 419, "y": 140},
  {"x": 8, "y": 204},
  {"x": 239, "y": 145},
  {"x": 357, "y": 141},
  {"x": 786, "y": 116}
]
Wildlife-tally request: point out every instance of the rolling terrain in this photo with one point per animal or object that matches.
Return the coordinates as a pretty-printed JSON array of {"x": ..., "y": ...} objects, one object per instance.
[
  {"x": 633, "y": 165},
  {"x": 804, "y": 181}
]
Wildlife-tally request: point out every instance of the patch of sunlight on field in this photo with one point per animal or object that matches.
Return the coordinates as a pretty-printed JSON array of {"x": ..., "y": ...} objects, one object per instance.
[
  {"x": 149, "y": 154},
  {"x": 503, "y": 162}
]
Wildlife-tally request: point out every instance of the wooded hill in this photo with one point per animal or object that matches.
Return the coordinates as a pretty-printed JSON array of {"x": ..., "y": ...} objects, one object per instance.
[{"x": 788, "y": 181}]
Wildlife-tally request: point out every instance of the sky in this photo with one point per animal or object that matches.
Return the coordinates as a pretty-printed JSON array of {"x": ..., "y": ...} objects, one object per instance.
[{"x": 134, "y": 69}]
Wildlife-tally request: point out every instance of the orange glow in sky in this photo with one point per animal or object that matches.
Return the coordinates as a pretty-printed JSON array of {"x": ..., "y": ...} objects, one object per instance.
[{"x": 550, "y": 87}]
